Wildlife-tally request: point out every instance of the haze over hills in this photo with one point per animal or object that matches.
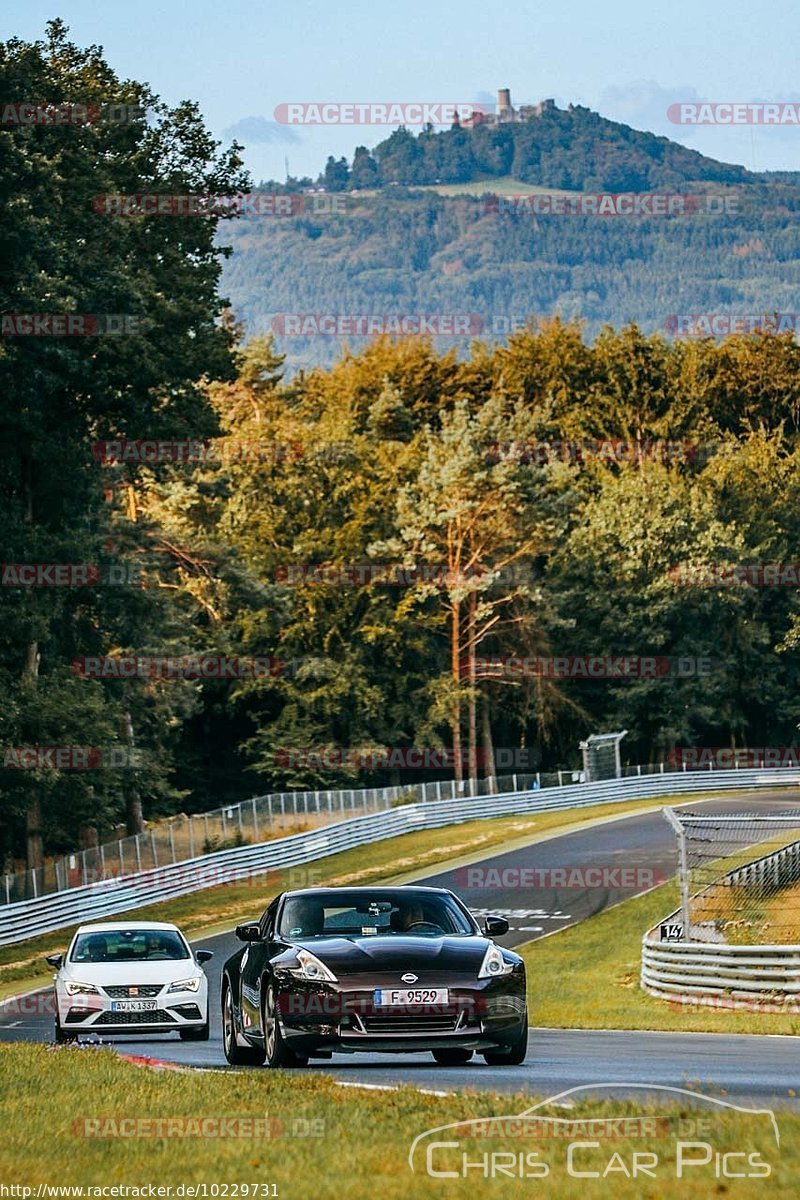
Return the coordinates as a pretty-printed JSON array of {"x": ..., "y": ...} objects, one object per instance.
[{"x": 397, "y": 245}]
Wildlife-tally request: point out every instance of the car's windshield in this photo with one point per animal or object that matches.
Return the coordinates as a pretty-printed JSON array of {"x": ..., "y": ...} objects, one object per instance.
[
  {"x": 129, "y": 945},
  {"x": 371, "y": 914}
]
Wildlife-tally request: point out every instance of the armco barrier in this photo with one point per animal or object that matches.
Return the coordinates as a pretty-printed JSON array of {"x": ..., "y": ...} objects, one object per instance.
[
  {"x": 714, "y": 973},
  {"x": 27, "y": 918}
]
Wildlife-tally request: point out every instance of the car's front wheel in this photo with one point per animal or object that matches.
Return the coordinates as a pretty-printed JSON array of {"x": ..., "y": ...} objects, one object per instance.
[
  {"x": 454, "y": 1057},
  {"x": 199, "y": 1033},
  {"x": 513, "y": 1055},
  {"x": 237, "y": 1056},
  {"x": 278, "y": 1054},
  {"x": 61, "y": 1037}
]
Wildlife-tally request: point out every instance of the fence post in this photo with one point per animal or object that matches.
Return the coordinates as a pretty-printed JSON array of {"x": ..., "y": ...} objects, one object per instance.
[
  {"x": 138, "y": 853},
  {"x": 560, "y": 779},
  {"x": 171, "y": 841},
  {"x": 8, "y": 889},
  {"x": 255, "y": 820},
  {"x": 153, "y": 845},
  {"x": 316, "y": 800},
  {"x": 683, "y": 869},
  {"x": 83, "y": 861},
  {"x": 662, "y": 767},
  {"x": 121, "y": 858},
  {"x": 205, "y": 823},
  {"x": 239, "y": 816},
  {"x": 224, "y": 825},
  {"x": 191, "y": 835}
]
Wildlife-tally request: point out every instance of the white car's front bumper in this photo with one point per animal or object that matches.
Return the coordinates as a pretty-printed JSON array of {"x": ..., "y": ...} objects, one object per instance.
[{"x": 154, "y": 1010}]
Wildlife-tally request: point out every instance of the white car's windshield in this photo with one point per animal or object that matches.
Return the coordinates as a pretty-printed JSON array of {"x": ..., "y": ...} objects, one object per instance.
[{"x": 129, "y": 945}]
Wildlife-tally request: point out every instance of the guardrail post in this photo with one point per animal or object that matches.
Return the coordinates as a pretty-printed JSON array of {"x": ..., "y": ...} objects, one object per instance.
[{"x": 255, "y": 820}]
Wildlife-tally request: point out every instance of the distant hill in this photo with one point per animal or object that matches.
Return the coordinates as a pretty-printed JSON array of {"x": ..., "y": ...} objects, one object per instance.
[
  {"x": 400, "y": 249},
  {"x": 572, "y": 148}
]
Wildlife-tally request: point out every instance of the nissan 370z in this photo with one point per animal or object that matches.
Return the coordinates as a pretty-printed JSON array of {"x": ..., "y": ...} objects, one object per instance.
[{"x": 398, "y": 970}]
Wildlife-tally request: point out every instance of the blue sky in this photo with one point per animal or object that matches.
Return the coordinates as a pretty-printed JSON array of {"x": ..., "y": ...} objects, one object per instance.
[{"x": 627, "y": 60}]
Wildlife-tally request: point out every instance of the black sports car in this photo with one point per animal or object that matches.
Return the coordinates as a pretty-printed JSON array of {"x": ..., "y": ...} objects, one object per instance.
[{"x": 393, "y": 969}]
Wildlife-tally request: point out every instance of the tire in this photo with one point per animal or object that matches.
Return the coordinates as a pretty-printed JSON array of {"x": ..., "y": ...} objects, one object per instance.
[
  {"x": 237, "y": 1056},
  {"x": 513, "y": 1055},
  {"x": 455, "y": 1057},
  {"x": 63, "y": 1038},
  {"x": 200, "y": 1033},
  {"x": 276, "y": 1052}
]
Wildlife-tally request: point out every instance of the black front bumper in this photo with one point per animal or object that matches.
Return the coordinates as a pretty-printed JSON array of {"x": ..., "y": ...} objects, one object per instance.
[{"x": 344, "y": 1017}]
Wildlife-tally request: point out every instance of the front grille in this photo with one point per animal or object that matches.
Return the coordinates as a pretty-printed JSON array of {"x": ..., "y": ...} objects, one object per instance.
[
  {"x": 124, "y": 990},
  {"x": 156, "y": 1016},
  {"x": 407, "y": 1023}
]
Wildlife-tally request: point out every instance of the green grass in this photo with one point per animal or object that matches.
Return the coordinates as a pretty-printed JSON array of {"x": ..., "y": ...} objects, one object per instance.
[
  {"x": 217, "y": 909},
  {"x": 361, "y": 1138},
  {"x": 597, "y": 966}
]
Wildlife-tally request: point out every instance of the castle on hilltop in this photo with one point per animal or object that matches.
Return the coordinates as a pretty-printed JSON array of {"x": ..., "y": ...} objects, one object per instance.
[{"x": 505, "y": 113}]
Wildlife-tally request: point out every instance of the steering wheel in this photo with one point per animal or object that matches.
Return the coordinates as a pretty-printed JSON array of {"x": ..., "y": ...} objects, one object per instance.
[{"x": 425, "y": 926}]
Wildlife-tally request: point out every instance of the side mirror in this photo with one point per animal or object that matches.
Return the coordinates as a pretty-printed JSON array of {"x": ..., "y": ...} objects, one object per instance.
[
  {"x": 250, "y": 931},
  {"x": 55, "y": 961},
  {"x": 204, "y": 955},
  {"x": 495, "y": 926}
]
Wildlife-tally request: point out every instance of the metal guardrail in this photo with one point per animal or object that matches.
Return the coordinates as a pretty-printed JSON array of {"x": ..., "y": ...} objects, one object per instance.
[
  {"x": 28, "y": 918},
  {"x": 718, "y": 974}
]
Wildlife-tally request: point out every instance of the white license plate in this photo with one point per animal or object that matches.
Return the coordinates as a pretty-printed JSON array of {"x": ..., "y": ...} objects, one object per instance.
[
  {"x": 132, "y": 1005},
  {"x": 403, "y": 996}
]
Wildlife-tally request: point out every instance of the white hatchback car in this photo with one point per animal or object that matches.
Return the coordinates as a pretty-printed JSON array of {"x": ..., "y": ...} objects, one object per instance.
[{"x": 131, "y": 977}]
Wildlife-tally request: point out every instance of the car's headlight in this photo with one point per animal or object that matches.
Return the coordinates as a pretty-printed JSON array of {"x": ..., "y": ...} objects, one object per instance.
[
  {"x": 494, "y": 964},
  {"x": 80, "y": 989},
  {"x": 185, "y": 985},
  {"x": 311, "y": 968}
]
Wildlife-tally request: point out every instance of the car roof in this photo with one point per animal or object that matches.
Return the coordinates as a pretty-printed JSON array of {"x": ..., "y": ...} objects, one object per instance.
[
  {"x": 387, "y": 890},
  {"x": 115, "y": 926}
]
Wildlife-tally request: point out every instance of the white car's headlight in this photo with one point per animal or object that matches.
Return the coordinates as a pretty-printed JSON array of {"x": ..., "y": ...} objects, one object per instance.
[
  {"x": 311, "y": 968},
  {"x": 494, "y": 964},
  {"x": 185, "y": 985},
  {"x": 80, "y": 989}
]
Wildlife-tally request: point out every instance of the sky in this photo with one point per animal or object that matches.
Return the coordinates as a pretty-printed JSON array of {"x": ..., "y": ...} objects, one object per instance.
[{"x": 628, "y": 61}]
